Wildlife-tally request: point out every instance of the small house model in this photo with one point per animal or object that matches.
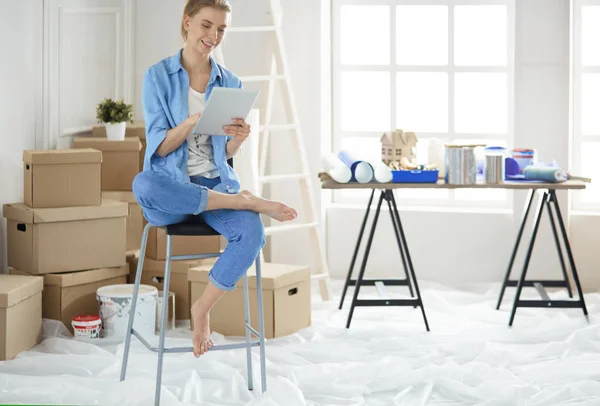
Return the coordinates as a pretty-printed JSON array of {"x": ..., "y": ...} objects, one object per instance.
[{"x": 398, "y": 144}]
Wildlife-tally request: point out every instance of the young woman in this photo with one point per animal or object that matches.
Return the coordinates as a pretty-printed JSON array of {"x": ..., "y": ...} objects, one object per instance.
[{"x": 186, "y": 174}]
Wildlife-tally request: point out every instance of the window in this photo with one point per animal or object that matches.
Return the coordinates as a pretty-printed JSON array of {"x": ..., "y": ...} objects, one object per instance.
[
  {"x": 440, "y": 68},
  {"x": 586, "y": 101}
]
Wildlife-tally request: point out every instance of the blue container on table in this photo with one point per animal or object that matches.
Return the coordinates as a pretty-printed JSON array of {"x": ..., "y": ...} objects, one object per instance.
[{"x": 415, "y": 176}]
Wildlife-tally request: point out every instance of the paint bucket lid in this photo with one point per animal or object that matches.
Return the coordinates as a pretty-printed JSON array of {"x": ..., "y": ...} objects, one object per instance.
[
  {"x": 126, "y": 291},
  {"x": 87, "y": 320}
]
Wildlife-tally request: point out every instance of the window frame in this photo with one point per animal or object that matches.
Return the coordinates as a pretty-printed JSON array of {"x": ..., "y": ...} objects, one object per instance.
[
  {"x": 337, "y": 68},
  {"x": 578, "y": 138}
]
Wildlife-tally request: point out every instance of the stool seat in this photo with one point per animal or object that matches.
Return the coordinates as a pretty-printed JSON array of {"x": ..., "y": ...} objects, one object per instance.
[{"x": 195, "y": 226}]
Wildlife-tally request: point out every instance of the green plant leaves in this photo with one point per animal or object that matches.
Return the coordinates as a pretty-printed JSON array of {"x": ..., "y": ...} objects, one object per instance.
[{"x": 111, "y": 111}]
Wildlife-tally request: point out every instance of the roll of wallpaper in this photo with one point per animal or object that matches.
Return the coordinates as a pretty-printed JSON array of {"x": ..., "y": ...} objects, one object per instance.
[
  {"x": 362, "y": 171},
  {"x": 544, "y": 173},
  {"x": 339, "y": 171},
  {"x": 382, "y": 173}
]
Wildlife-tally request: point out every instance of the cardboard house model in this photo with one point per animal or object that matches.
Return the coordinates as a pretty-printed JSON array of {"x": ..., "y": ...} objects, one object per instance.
[{"x": 398, "y": 144}]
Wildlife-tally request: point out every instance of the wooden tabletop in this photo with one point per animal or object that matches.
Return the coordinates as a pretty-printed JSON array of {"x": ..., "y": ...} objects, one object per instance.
[{"x": 328, "y": 183}]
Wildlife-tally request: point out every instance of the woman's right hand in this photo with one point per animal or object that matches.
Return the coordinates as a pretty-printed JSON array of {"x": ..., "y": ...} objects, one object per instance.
[
  {"x": 176, "y": 136},
  {"x": 191, "y": 121}
]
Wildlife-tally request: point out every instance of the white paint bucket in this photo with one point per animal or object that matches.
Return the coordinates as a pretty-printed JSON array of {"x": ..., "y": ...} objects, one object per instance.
[
  {"x": 114, "y": 303},
  {"x": 86, "y": 326}
]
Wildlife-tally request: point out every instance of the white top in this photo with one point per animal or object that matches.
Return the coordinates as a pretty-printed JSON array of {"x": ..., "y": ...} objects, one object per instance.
[{"x": 200, "y": 151}]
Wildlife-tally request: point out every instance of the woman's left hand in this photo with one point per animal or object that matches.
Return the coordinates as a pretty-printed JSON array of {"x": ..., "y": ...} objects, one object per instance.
[{"x": 240, "y": 131}]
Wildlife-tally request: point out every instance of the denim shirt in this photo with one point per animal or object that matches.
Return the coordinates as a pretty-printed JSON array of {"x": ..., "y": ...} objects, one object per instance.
[{"x": 165, "y": 106}]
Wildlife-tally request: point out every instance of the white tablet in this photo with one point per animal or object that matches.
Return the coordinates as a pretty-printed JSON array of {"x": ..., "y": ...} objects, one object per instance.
[{"x": 223, "y": 105}]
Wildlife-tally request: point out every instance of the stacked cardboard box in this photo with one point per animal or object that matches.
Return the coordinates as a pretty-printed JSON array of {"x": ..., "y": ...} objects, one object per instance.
[
  {"x": 64, "y": 227},
  {"x": 135, "y": 129},
  {"x": 286, "y": 300},
  {"x": 120, "y": 165}
]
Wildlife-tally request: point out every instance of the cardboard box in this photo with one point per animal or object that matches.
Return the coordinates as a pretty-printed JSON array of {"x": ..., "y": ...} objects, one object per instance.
[
  {"x": 286, "y": 300},
  {"x": 61, "y": 178},
  {"x": 142, "y": 154},
  {"x": 154, "y": 273},
  {"x": 72, "y": 294},
  {"x": 66, "y": 239},
  {"x": 120, "y": 160},
  {"x": 20, "y": 314},
  {"x": 156, "y": 247},
  {"x": 132, "y": 257},
  {"x": 135, "y": 219},
  {"x": 135, "y": 129}
]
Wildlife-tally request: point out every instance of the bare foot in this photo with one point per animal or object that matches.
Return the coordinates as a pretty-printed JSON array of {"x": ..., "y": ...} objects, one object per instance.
[
  {"x": 276, "y": 210},
  {"x": 201, "y": 336}
]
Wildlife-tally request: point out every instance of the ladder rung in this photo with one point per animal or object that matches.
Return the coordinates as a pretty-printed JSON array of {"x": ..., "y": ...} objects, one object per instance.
[
  {"x": 289, "y": 227},
  {"x": 263, "y": 78},
  {"x": 319, "y": 276},
  {"x": 252, "y": 28},
  {"x": 283, "y": 178},
  {"x": 271, "y": 127}
]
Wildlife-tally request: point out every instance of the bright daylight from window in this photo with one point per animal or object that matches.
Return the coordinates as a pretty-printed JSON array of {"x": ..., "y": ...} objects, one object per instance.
[{"x": 441, "y": 71}]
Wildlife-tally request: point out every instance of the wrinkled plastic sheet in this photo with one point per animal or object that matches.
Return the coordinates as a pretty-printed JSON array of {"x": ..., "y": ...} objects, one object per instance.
[{"x": 471, "y": 357}]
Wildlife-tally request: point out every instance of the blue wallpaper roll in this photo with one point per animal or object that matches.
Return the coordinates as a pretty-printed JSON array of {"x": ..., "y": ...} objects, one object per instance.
[{"x": 362, "y": 171}]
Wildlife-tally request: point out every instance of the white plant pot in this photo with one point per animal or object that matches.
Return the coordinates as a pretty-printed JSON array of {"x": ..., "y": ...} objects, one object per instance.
[{"x": 116, "y": 131}]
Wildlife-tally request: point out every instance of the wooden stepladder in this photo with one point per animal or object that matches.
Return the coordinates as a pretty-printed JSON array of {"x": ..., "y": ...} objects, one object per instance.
[{"x": 279, "y": 74}]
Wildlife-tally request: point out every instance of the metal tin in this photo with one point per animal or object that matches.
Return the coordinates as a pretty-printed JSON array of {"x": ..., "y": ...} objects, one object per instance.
[
  {"x": 461, "y": 165},
  {"x": 494, "y": 168}
]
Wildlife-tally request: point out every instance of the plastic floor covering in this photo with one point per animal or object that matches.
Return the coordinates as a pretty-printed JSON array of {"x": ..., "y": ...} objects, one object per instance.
[{"x": 471, "y": 357}]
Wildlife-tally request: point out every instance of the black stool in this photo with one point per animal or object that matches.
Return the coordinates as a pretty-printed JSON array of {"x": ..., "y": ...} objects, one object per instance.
[{"x": 194, "y": 227}]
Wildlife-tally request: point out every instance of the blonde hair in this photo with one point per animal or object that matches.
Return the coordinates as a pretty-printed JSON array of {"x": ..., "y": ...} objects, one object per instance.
[{"x": 192, "y": 7}]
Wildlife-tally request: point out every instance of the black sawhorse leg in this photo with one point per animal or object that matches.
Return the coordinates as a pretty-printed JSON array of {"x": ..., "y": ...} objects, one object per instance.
[
  {"x": 549, "y": 201},
  {"x": 409, "y": 272}
]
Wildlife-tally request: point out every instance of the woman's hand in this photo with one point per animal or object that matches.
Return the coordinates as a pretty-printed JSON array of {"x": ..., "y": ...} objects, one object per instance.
[
  {"x": 240, "y": 131},
  {"x": 191, "y": 121}
]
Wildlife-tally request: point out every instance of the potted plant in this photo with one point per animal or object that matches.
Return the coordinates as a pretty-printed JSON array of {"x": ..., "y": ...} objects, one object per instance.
[{"x": 114, "y": 115}]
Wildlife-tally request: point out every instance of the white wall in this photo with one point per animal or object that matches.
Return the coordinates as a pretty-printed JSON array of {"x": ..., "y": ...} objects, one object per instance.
[{"x": 20, "y": 75}]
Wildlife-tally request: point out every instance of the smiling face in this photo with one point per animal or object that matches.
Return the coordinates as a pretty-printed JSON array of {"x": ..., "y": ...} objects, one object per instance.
[{"x": 206, "y": 29}]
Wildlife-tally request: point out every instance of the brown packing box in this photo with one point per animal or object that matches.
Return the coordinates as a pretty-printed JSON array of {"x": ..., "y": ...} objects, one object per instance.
[
  {"x": 142, "y": 153},
  {"x": 132, "y": 257},
  {"x": 156, "y": 247},
  {"x": 20, "y": 314},
  {"x": 135, "y": 129},
  {"x": 154, "y": 272},
  {"x": 61, "y": 178},
  {"x": 120, "y": 160},
  {"x": 286, "y": 300},
  {"x": 72, "y": 294},
  {"x": 66, "y": 239},
  {"x": 135, "y": 219}
]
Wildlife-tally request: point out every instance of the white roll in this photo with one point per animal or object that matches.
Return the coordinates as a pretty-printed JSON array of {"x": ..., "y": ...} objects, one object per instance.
[
  {"x": 383, "y": 173},
  {"x": 363, "y": 172},
  {"x": 338, "y": 170}
]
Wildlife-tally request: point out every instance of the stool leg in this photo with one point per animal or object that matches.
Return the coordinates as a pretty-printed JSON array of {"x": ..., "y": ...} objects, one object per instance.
[
  {"x": 261, "y": 327},
  {"x": 248, "y": 337},
  {"x": 136, "y": 288},
  {"x": 163, "y": 324}
]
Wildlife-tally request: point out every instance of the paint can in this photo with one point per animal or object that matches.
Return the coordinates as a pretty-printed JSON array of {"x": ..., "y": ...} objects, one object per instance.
[
  {"x": 170, "y": 325},
  {"x": 460, "y": 165},
  {"x": 114, "y": 303},
  {"x": 86, "y": 326},
  {"x": 524, "y": 157},
  {"x": 494, "y": 165}
]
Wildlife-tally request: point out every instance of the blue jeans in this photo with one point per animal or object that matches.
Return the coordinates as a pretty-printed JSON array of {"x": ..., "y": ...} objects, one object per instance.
[{"x": 165, "y": 201}]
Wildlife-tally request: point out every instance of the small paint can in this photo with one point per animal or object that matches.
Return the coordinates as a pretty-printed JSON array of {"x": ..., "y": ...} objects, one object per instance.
[
  {"x": 524, "y": 157},
  {"x": 460, "y": 165},
  {"x": 114, "y": 303},
  {"x": 494, "y": 165},
  {"x": 86, "y": 326}
]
